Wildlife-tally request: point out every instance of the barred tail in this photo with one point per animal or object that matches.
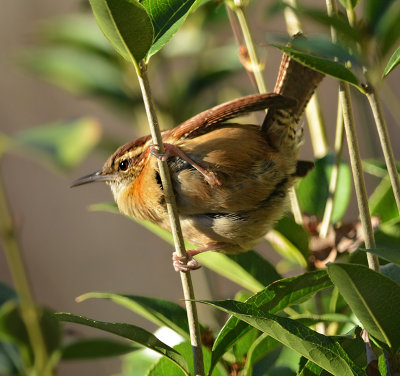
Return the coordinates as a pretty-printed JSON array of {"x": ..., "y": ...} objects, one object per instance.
[{"x": 296, "y": 81}]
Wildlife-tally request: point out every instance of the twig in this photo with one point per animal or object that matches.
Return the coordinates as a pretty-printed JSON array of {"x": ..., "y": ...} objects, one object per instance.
[
  {"x": 354, "y": 152},
  {"x": 385, "y": 142},
  {"x": 187, "y": 285},
  {"x": 358, "y": 177},
  {"x": 29, "y": 312},
  {"x": 255, "y": 64}
]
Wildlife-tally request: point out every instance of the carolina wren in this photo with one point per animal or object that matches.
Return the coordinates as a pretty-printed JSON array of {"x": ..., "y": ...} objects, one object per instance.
[{"x": 230, "y": 180}]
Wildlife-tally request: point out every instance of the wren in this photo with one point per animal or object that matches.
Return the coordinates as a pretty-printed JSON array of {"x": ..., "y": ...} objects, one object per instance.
[{"x": 230, "y": 180}]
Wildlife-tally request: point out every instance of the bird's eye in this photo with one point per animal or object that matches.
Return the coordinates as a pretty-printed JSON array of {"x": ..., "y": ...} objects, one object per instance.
[{"x": 124, "y": 164}]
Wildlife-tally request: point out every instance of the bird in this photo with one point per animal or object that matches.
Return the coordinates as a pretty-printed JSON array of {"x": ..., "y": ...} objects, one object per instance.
[{"x": 230, "y": 180}]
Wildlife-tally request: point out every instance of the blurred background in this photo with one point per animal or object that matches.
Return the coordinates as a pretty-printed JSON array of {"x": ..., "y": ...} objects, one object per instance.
[{"x": 56, "y": 67}]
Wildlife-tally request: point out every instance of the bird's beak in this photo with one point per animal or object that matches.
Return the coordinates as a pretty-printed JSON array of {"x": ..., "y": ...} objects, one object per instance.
[{"x": 92, "y": 178}]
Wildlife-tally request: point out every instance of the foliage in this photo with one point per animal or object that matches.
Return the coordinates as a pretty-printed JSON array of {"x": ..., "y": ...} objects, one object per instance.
[{"x": 301, "y": 325}]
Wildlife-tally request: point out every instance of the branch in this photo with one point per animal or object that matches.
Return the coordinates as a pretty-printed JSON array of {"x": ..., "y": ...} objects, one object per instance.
[{"x": 176, "y": 230}]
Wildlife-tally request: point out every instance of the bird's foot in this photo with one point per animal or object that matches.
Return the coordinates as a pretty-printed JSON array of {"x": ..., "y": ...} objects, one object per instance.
[
  {"x": 184, "y": 263},
  {"x": 188, "y": 263}
]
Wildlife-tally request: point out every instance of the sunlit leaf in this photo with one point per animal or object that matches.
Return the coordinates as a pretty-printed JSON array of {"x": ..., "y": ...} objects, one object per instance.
[
  {"x": 272, "y": 299},
  {"x": 167, "y": 18},
  {"x": 374, "y": 299},
  {"x": 393, "y": 62},
  {"x": 131, "y": 332},
  {"x": 322, "y": 350}
]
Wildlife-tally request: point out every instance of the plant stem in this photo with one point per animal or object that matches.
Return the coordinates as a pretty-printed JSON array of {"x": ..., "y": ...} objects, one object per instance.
[
  {"x": 29, "y": 312},
  {"x": 358, "y": 177},
  {"x": 354, "y": 152},
  {"x": 326, "y": 219},
  {"x": 385, "y": 142},
  {"x": 256, "y": 66},
  {"x": 186, "y": 280}
]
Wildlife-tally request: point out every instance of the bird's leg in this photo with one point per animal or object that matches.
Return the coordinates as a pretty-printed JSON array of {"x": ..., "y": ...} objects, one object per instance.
[
  {"x": 173, "y": 151},
  {"x": 185, "y": 264}
]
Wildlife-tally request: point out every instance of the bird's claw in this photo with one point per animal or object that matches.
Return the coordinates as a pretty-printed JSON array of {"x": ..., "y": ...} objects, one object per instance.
[{"x": 183, "y": 263}]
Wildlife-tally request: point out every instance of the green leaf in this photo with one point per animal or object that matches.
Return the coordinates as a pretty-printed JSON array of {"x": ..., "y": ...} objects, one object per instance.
[
  {"x": 349, "y": 4},
  {"x": 131, "y": 332},
  {"x": 63, "y": 144},
  {"x": 384, "y": 365},
  {"x": 320, "y": 349},
  {"x": 391, "y": 271},
  {"x": 351, "y": 343},
  {"x": 78, "y": 30},
  {"x": 387, "y": 30},
  {"x": 167, "y": 17},
  {"x": 164, "y": 368},
  {"x": 262, "y": 346},
  {"x": 242, "y": 345},
  {"x": 393, "y": 62},
  {"x": 10, "y": 361},
  {"x": 382, "y": 202},
  {"x": 138, "y": 362},
  {"x": 313, "y": 189},
  {"x": 312, "y": 369},
  {"x": 339, "y": 22},
  {"x": 81, "y": 72},
  {"x": 374, "y": 10},
  {"x": 127, "y": 25},
  {"x": 272, "y": 299},
  {"x": 309, "y": 319},
  {"x": 6, "y": 293},
  {"x": 159, "y": 311},
  {"x": 248, "y": 270},
  {"x": 374, "y": 299},
  {"x": 323, "y": 65},
  {"x": 12, "y": 329},
  {"x": 291, "y": 241},
  {"x": 93, "y": 348},
  {"x": 389, "y": 254},
  {"x": 375, "y": 167}
]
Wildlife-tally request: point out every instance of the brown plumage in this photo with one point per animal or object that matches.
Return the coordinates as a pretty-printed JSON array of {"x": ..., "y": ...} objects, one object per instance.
[{"x": 230, "y": 180}]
